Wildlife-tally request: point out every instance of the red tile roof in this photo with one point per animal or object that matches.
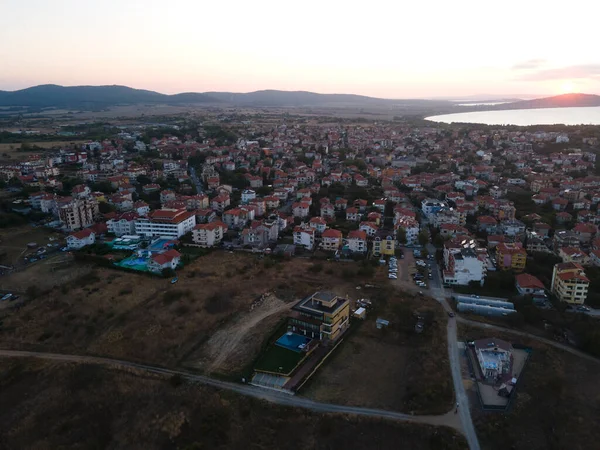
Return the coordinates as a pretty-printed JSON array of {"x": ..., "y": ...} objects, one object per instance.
[
  {"x": 526, "y": 280},
  {"x": 166, "y": 257}
]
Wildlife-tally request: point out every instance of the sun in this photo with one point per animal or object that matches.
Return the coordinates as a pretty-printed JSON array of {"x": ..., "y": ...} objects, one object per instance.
[{"x": 568, "y": 87}]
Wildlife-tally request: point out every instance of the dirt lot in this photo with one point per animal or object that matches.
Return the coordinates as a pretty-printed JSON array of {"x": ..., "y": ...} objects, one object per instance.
[
  {"x": 394, "y": 368},
  {"x": 49, "y": 406},
  {"x": 113, "y": 313},
  {"x": 13, "y": 242},
  {"x": 557, "y": 403},
  {"x": 12, "y": 150}
]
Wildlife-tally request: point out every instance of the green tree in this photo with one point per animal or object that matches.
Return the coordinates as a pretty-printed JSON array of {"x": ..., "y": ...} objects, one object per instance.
[
  {"x": 401, "y": 235},
  {"x": 423, "y": 237},
  {"x": 438, "y": 241}
]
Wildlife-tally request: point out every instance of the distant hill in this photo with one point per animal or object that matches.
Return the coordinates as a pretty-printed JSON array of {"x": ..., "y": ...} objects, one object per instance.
[
  {"x": 83, "y": 97},
  {"x": 93, "y": 97},
  {"x": 558, "y": 101}
]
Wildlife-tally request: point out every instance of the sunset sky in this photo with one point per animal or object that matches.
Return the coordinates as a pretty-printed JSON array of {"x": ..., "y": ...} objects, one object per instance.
[{"x": 393, "y": 49}]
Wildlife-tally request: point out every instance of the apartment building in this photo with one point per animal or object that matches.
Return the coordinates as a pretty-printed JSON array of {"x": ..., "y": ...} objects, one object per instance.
[
  {"x": 569, "y": 283},
  {"x": 304, "y": 237},
  {"x": 331, "y": 240},
  {"x": 357, "y": 241},
  {"x": 209, "y": 234},
  {"x": 79, "y": 213},
  {"x": 384, "y": 243},
  {"x": 171, "y": 223},
  {"x": 123, "y": 224},
  {"x": 511, "y": 256}
]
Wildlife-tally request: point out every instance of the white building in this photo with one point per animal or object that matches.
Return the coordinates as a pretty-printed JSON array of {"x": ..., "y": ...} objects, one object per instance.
[
  {"x": 81, "y": 238},
  {"x": 304, "y": 237},
  {"x": 209, "y": 234},
  {"x": 248, "y": 195},
  {"x": 410, "y": 226},
  {"x": 171, "y": 223},
  {"x": 123, "y": 224},
  {"x": 357, "y": 241},
  {"x": 167, "y": 260},
  {"x": 431, "y": 206},
  {"x": 464, "y": 265}
]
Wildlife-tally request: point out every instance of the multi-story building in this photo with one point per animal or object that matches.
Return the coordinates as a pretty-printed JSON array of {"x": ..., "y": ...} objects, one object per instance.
[
  {"x": 323, "y": 316},
  {"x": 331, "y": 240},
  {"x": 171, "y": 223},
  {"x": 357, "y": 241},
  {"x": 318, "y": 223},
  {"x": 123, "y": 224},
  {"x": 410, "y": 227},
  {"x": 573, "y": 254},
  {"x": 304, "y": 237},
  {"x": 464, "y": 262},
  {"x": 79, "y": 213},
  {"x": 432, "y": 206},
  {"x": 384, "y": 243},
  {"x": 209, "y": 234},
  {"x": 569, "y": 283},
  {"x": 248, "y": 195},
  {"x": 511, "y": 256}
]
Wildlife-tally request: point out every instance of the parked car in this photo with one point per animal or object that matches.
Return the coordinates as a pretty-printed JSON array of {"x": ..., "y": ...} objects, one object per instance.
[
  {"x": 392, "y": 276},
  {"x": 174, "y": 280}
]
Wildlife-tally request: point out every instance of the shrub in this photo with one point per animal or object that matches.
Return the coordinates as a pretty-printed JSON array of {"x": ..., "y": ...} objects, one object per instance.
[{"x": 316, "y": 268}]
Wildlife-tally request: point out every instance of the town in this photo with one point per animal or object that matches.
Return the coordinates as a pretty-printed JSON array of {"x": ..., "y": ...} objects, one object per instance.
[{"x": 499, "y": 225}]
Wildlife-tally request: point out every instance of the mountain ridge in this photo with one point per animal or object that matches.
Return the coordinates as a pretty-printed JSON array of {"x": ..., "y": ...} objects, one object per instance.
[{"x": 83, "y": 97}]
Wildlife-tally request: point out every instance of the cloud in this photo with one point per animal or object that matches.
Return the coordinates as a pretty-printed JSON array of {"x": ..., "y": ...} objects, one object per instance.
[
  {"x": 590, "y": 71},
  {"x": 529, "y": 64}
]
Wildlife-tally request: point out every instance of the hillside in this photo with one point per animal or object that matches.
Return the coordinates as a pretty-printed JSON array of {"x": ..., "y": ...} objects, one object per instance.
[
  {"x": 558, "y": 101},
  {"x": 86, "y": 97},
  {"x": 54, "y": 96}
]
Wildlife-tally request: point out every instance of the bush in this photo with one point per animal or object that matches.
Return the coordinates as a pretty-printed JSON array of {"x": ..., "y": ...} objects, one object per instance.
[
  {"x": 316, "y": 268},
  {"x": 219, "y": 302},
  {"x": 348, "y": 274}
]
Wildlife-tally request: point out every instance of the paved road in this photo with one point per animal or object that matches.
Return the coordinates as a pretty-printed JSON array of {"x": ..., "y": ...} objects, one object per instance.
[
  {"x": 437, "y": 291},
  {"x": 196, "y": 180},
  {"x": 243, "y": 389}
]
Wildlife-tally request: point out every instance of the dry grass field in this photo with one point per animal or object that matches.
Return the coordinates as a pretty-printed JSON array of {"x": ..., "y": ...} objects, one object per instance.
[
  {"x": 394, "y": 368},
  {"x": 49, "y": 406},
  {"x": 10, "y": 152},
  {"x": 557, "y": 403},
  {"x": 125, "y": 315}
]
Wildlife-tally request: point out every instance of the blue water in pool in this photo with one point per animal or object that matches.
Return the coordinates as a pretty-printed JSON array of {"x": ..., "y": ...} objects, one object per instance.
[{"x": 292, "y": 341}]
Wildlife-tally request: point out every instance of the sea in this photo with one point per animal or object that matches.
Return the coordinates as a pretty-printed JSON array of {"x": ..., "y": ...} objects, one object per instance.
[{"x": 526, "y": 117}]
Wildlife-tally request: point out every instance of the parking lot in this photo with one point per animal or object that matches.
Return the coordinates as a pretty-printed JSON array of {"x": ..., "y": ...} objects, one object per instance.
[{"x": 411, "y": 273}]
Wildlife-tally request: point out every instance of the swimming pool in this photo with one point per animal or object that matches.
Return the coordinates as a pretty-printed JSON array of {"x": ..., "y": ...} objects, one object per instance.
[
  {"x": 293, "y": 341},
  {"x": 160, "y": 244}
]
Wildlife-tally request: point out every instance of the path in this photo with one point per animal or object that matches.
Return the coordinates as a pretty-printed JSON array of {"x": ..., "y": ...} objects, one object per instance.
[
  {"x": 243, "y": 389},
  {"x": 225, "y": 342},
  {"x": 436, "y": 290}
]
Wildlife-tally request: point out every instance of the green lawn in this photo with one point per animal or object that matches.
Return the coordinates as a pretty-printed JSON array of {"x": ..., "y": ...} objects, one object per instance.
[{"x": 279, "y": 360}]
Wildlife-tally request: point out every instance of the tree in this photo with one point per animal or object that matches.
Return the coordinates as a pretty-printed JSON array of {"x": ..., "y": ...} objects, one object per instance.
[
  {"x": 423, "y": 237},
  {"x": 402, "y": 235},
  {"x": 438, "y": 241},
  {"x": 105, "y": 207},
  {"x": 144, "y": 179}
]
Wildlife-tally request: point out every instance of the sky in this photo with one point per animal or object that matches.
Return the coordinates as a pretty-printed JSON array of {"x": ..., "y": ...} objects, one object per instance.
[{"x": 391, "y": 49}]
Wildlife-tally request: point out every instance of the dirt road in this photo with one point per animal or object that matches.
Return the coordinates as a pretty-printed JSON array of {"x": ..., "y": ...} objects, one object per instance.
[{"x": 226, "y": 343}]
